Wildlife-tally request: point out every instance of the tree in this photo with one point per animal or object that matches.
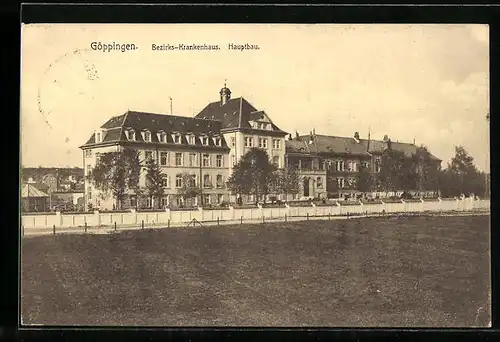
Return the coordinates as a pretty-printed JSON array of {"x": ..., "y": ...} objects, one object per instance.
[
  {"x": 115, "y": 173},
  {"x": 461, "y": 176},
  {"x": 287, "y": 180},
  {"x": 109, "y": 176},
  {"x": 332, "y": 186},
  {"x": 188, "y": 187},
  {"x": 253, "y": 174},
  {"x": 428, "y": 170},
  {"x": 391, "y": 168},
  {"x": 155, "y": 181},
  {"x": 364, "y": 179},
  {"x": 134, "y": 168}
]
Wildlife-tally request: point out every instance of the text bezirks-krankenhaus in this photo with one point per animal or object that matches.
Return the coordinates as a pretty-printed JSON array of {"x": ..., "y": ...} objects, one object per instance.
[{"x": 182, "y": 47}]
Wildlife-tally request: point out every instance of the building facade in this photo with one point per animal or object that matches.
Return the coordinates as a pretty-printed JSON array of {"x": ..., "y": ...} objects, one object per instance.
[
  {"x": 179, "y": 145},
  {"x": 209, "y": 145}
]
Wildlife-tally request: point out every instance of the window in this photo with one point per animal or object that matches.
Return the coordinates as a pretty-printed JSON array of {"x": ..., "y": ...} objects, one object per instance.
[
  {"x": 218, "y": 141},
  {"x": 89, "y": 169},
  {"x": 233, "y": 141},
  {"x": 177, "y": 138},
  {"x": 178, "y": 159},
  {"x": 276, "y": 161},
  {"x": 178, "y": 181},
  {"x": 191, "y": 139},
  {"x": 350, "y": 166},
  {"x": 98, "y": 138},
  {"x": 218, "y": 160},
  {"x": 204, "y": 141},
  {"x": 206, "y": 160},
  {"x": 207, "y": 182},
  {"x": 166, "y": 181},
  {"x": 89, "y": 194},
  {"x": 276, "y": 144},
  {"x": 220, "y": 181},
  {"x": 164, "y": 201},
  {"x": 162, "y": 137},
  {"x": 220, "y": 198},
  {"x": 163, "y": 158},
  {"x": 248, "y": 142},
  {"x": 180, "y": 201},
  {"x": 233, "y": 160},
  {"x": 192, "y": 181},
  {"x": 206, "y": 199},
  {"x": 340, "y": 182},
  {"x": 351, "y": 181},
  {"x": 149, "y": 155},
  {"x": 339, "y": 165},
  {"x": 319, "y": 182},
  {"x": 377, "y": 164},
  {"x": 130, "y": 134},
  {"x": 262, "y": 142},
  {"x": 88, "y": 153},
  {"x": 147, "y": 136},
  {"x": 193, "y": 159}
]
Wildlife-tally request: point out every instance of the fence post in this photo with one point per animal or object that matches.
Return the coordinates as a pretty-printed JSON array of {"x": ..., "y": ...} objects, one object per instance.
[
  {"x": 217, "y": 220},
  {"x": 115, "y": 226},
  {"x": 142, "y": 224},
  {"x": 241, "y": 219},
  {"x": 168, "y": 223},
  {"x": 285, "y": 217},
  {"x": 85, "y": 226},
  {"x": 54, "y": 229},
  {"x": 22, "y": 230},
  {"x": 307, "y": 215},
  {"x": 262, "y": 218}
]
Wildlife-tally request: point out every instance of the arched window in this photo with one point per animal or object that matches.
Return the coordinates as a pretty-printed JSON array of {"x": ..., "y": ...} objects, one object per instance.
[{"x": 319, "y": 182}]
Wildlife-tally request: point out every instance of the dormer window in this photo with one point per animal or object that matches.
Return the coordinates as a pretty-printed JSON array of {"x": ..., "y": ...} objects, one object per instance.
[
  {"x": 176, "y": 138},
  {"x": 204, "y": 141},
  {"x": 162, "y": 137},
  {"x": 191, "y": 139},
  {"x": 146, "y": 135},
  {"x": 130, "y": 133},
  {"x": 218, "y": 141}
]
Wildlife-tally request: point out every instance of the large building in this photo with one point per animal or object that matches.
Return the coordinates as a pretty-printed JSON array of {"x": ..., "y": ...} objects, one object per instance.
[
  {"x": 208, "y": 146},
  {"x": 340, "y": 158}
]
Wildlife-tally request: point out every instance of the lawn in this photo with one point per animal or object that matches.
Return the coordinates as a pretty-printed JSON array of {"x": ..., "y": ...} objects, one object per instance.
[{"x": 369, "y": 272}]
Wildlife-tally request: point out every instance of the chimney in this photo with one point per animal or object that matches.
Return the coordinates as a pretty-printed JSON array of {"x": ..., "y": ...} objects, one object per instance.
[
  {"x": 289, "y": 137},
  {"x": 297, "y": 135},
  {"x": 386, "y": 138},
  {"x": 311, "y": 137}
]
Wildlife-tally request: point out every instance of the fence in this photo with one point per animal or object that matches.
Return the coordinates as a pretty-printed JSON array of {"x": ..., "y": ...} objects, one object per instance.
[{"x": 52, "y": 222}]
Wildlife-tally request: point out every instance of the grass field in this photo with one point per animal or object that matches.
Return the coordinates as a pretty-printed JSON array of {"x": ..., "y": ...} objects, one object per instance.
[{"x": 371, "y": 272}]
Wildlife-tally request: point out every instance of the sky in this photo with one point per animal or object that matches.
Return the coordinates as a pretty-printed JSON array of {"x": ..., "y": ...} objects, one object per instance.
[{"x": 428, "y": 83}]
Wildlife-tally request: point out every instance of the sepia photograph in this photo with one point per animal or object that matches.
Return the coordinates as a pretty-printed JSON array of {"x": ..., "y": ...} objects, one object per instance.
[{"x": 271, "y": 175}]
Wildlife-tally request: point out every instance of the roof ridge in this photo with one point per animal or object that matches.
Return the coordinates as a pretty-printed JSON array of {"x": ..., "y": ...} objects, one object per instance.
[{"x": 172, "y": 116}]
